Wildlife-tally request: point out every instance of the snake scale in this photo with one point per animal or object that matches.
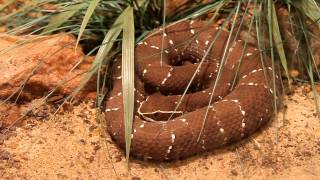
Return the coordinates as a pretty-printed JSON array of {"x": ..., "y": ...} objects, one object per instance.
[{"x": 169, "y": 126}]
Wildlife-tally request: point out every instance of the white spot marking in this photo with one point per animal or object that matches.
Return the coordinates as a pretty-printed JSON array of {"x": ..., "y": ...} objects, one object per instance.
[
  {"x": 155, "y": 47},
  {"x": 173, "y": 137},
  {"x": 144, "y": 72},
  {"x": 169, "y": 149},
  {"x": 221, "y": 130},
  {"x": 271, "y": 91},
  {"x": 163, "y": 81}
]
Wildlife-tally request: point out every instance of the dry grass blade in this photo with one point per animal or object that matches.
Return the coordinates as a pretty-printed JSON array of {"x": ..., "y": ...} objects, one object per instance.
[
  {"x": 92, "y": 6},
  {"x": 223, "y": 60},
  {"x": 215, "y": 8},
  {"x": 60, "y": 18},
  {"x": 20, "y": 29},
  {"x": 21, "y": 10},
  {"x": 313, "y": 85},
  {"x": 6, "y": 4},
  {"x": 309, "y": 66},
  {"x": 245, "y": 42},
  {"x": 128, "y": 75}
]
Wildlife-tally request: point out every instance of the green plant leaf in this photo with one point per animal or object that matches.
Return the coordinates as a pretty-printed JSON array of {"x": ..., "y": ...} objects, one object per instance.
[
  {"x": 128, "y": 76},
  {"x": 103, "y": 51},
  {"x": 92, "y": 6},
  {"x": 279, "y": 43}
]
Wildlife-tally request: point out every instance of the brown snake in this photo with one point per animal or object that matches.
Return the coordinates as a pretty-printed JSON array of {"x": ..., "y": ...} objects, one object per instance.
[{"x": 163, "y": 132}]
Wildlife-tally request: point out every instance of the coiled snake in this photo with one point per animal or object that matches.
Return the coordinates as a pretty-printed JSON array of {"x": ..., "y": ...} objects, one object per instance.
[{"x": 241, "y": 102}]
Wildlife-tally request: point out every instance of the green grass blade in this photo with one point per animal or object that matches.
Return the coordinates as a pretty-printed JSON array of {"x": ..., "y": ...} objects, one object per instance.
[
  {"x": 223, "y": 60},
  {"x": 309, "y": 7},
  {"x": 163, "y": 29},
  {"x": 278, "y": 43},
  {"x": 103, "y": 51},
  {"x": 271, "y": 29},
  {"x": 60, "y": 18},
  {"x": 92, "y": 6},
  {"x": 128, "y": 76}
]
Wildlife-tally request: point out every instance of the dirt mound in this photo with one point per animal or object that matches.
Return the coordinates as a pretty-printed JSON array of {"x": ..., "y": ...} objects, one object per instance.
[{"x": 72, "y": 146}]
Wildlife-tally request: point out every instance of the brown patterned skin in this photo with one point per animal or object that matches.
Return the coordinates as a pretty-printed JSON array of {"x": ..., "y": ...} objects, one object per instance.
[{"x": 232, "y": 115}]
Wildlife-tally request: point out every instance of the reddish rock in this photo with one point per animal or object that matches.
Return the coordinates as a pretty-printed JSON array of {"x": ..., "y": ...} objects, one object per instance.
[
  {"x": 31, "y": 66},
  {"x": 9, "y": 113},
  {"x": 42, "y": 61}
]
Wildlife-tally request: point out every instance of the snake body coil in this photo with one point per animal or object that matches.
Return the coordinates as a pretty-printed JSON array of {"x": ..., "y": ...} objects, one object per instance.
[{"x": 241, "y": 102}]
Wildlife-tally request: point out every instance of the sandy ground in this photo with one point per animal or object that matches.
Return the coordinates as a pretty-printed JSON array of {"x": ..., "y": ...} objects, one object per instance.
[{"x": 71, "y": 146}]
